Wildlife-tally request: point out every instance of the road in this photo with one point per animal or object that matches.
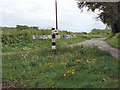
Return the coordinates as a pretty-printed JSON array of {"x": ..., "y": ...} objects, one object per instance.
[{"x": 101, "y": 43}]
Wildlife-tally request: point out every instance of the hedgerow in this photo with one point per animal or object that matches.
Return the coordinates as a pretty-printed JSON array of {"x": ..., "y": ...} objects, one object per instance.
[{"x": 10, "y": 37}]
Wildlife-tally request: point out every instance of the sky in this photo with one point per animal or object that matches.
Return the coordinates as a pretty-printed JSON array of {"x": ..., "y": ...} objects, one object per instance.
[{"x": 41, "y": 13}]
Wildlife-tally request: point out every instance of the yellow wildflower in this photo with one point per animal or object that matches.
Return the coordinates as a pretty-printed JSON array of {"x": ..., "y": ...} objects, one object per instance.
[
  {"x": 73, "y": 72},
  {"x": 94, "y": 59},
  {"x": 65, "y": 63},
  {"x": 62, "y": 63},
  {"x": 51, "y": 65},
  {"x": 77, "y": 60},
  {"x": 68, "y": 71},
  {"x": 64, "y": 75}
]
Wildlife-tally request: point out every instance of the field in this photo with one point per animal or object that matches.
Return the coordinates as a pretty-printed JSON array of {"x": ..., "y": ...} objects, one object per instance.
[
  {"x": 70, "y": 67},
  {"x": 32, "y": 63}
]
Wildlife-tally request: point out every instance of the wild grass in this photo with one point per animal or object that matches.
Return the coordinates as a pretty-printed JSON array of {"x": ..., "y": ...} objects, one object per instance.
[
  {"x": 76, "y": 67},
  {"x": 38, "y": 44},
  {"x": 31, "y": 63},
  {"x": 114, "y": 41}
]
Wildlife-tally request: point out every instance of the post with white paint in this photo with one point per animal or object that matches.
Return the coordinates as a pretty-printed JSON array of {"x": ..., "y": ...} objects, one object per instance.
[{"x": 53, "y": 41}]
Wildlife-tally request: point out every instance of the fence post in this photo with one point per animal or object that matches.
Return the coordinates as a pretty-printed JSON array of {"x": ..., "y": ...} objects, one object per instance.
[{"x": 53, "y": 41}]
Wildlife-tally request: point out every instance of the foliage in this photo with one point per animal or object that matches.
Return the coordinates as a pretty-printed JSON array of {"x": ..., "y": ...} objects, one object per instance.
[
  {"x": 31, "y": 63},
  {"x": 114, "y": 41},
  {"x": 77, "y": 67},
  {"x": 21, "y": 27},
  {"x": 21, "y": 33},
  {"x": 11, "y": 37},
  {"x": 105, "y": 33},
  {"x": 33, "y": 44},
  {"x": 64, "y": 32},
  {"x": 110, "y": 12}
]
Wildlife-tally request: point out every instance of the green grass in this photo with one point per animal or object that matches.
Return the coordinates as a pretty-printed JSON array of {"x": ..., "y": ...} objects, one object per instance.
[
  {"x": 74, "y": 40},
  {"x": 77, "y": 67},
  {"x": 103, "y": 33},
  {"x": 38, "y": 44},
  {"x": 89, "y": 36},
  {"x": 114, "y": 41},
  {"x": 31, "y": 63}
]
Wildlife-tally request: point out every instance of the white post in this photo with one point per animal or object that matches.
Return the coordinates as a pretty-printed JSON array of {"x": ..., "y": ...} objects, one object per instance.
[{"x": 53, "y": 40}]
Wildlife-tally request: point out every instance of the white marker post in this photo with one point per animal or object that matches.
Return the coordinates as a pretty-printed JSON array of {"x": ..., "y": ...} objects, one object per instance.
[
  {"x": 55, "y": 31},
  {"x": 53, "y": 41}
]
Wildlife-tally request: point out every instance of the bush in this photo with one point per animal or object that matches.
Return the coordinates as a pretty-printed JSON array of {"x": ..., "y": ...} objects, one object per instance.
[
  {"x": 21, "y": 33},
  {"x": 105, "y": 33},
  {"x": 21, "y": 27},
  {"x": 10, "y": 37}
]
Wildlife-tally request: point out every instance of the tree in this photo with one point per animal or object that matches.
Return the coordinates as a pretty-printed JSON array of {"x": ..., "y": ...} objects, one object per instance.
[
  {"x": 22, "y": 27},
  {"x": 34, "y": 27},
  {"x": 110, "y": 12}
]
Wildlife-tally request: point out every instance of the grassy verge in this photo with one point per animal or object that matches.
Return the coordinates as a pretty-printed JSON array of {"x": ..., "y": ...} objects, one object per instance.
[
  {"x": 114, "y": 41},
  {"x": 77, "y": 67},
  {"x": 38, "y": 44}
]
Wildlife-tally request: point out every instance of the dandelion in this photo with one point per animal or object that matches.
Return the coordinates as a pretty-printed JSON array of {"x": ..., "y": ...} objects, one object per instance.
[
  {"x": 73, "y": 72},
  {"x": 78, "y": 60},
  {"x": 65, "y": 64},
  {"x": 51, "y": 66},
  {"x": 94, "y": 59},
  {"x": 68, "y": 71},
  {"x": 64, "y": 75},
  {"x": 62, "y": 63}
]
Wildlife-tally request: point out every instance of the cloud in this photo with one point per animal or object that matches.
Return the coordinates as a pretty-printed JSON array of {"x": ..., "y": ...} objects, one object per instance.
[{"x": 42, "y": 13}]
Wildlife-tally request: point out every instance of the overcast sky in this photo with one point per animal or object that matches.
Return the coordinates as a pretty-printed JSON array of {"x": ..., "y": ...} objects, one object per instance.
[{"x": 41, "y": 13}]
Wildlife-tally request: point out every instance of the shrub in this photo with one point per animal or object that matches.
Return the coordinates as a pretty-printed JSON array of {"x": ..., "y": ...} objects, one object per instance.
[
  {"x": 21, "y": 27},
  {"x": 16, "y": 36}
]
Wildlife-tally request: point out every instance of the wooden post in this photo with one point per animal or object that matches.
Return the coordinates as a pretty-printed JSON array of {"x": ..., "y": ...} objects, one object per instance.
[
  {"x": 56, "y": 17},
  {"x": 53, "y": 41},
  {"x": 56, "y": 14}
]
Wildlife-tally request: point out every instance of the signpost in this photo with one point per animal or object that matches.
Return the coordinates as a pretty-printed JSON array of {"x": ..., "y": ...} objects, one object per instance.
[
  {"x": 56, "y": 18},
  {"x": 56, "y": 15},
  {"x": 55, "y": 31},
  {"x": 53, "y": 40}
]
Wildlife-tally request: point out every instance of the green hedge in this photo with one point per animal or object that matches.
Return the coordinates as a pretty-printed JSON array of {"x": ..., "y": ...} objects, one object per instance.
[
  {"x": 10, "y": 37},
  {"x": 105, "y": 33},
  {"x": 23, "y": 34}
]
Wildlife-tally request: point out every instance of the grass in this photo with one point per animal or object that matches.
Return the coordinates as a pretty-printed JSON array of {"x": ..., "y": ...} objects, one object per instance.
[
  {"x": 77, "y": 67},
  {"x": 114, "y": 41},
  {"x": 32, "y": 64},
  {"x": 38, "y": 44}
]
